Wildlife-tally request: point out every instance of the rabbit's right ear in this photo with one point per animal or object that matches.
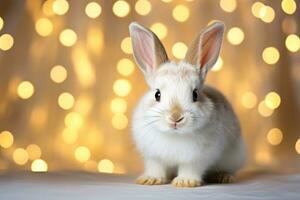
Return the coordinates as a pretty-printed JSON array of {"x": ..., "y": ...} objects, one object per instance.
[
  {"x": 148, "y": 51},
  {"x": 205, "y": 50}
]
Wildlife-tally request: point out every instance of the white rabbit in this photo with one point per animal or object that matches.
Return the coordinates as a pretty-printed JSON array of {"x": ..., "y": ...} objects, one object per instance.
[{"x": 181, "y": 127}]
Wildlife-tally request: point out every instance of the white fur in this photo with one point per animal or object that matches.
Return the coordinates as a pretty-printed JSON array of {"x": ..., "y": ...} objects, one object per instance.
[
  {"x": 177, "y": 135},
  {"x": 209, "y": 138}
]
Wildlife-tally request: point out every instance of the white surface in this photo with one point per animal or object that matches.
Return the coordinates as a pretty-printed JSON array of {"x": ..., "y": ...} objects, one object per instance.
[{"x": 78, "y": 185}]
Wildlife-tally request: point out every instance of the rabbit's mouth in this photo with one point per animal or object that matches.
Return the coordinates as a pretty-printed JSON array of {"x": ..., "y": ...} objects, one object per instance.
[
  {"x": 176, "y": 122},
  {"x": 186, "y": 124},
  {"x": 176, "y": 126}
]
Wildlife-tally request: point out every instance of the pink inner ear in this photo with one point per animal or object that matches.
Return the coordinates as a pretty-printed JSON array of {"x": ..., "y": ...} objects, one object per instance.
[
  {"x": 209, "y": 47},
  {"x": 145, "y": 49}
]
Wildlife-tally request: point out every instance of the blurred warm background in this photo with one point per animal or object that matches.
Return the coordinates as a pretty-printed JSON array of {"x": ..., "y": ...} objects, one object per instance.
[{"x": 68, "y": 82}]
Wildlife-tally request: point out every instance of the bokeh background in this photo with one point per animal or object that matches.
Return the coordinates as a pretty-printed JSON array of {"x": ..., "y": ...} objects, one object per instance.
[{"x": 68, "y": 82}]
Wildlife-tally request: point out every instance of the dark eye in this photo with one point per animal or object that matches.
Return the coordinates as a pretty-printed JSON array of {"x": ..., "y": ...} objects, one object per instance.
[
  {"x": 195, "y": 95},
  {"x": 157, "y": 95}
]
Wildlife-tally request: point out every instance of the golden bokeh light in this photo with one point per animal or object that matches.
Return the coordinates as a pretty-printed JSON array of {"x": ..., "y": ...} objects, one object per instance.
[
  {"x": 68, "y": 37},
  {"x": 95, "y": 40},
  {"x": 181, "y": 13},
  {"x": 235, "y": 36},
  {"x": 43, "y": 27},
  {"x": 118, "y": 105},
  {"x": 263, "y": 110},
  {"x": 275, "y": 136},
  {"x": 93, "y": 10},
  {"x": 39, "y": 165},
  {"x": 66, "y": 100},
  {"x": 122, "y": 87},
  {"x": 58, "y": 74},
  {"x": 159, "y": 29},
  {"x": 272, "y": 100},
  {"x": 126, "y": 45},
  {"x": 20, "y": 156},
  {"x": 166, "y": 1},
  {"x": 6, "y": 42},
  {"x": 179, "y": 50},
  {"x": 82, "y": 154},
  {"x": 143, "y": 7},
  {"x": 33, "y": 151},
  {"x": 218, "y": 65},
  {"x": 47, "y": 8},
  {"x": 256, "y": 7},
  {"x": 288, "y": 6},
  {"x": 292, "y": 43},
  {"x": 119, "y": 121},
  {"x": 121, "y": 8},
  {"x": 73, "y": 120},
  {"x": 106, "y": 166},
  {"x": 249, "y": 100},
  {"x": 263, "y": 12},
  {"x": 125, "y": 67},
  {"x": 69, "y": 136},
  {"x": 6, "y": 139},
  {"x": 60, "y": 7},
  {"x": 297, "y": 146},
  {"x": 270, "y": 55},
  {"x": 267, "y": 14},
  {"x": 83, "y": 67},
  {"x": 1, "y": 23},
  {"x": 25, "y": 90},
  {"x": 228, "y": 5}
]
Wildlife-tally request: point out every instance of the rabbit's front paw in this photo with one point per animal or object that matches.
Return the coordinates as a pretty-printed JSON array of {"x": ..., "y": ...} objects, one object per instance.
[
  {"x": 186, "y": 182},
  {"x": 147, "y": 180}
]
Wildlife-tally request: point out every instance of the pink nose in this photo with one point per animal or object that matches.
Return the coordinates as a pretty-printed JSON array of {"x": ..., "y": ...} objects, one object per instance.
[{"x": 176, "y": 117}]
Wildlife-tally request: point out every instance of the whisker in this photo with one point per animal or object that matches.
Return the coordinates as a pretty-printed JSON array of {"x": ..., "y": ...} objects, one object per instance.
[
  {"x": 149, "y": 123},
  {"x": 147, "y": 128},
  {"x": 152, "y": 116},
  {"x": 157, "y": 110}
]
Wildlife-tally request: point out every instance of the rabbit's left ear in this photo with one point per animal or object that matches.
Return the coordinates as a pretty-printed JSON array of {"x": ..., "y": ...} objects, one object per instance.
[
  {"x": 148, "y": 51},
  {"x": 205, "y": 50}
]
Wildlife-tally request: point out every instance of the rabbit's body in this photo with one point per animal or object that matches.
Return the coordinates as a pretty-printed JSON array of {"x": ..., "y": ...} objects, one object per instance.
[
  {"x": 181, "y": 126},
  {"x": 213, "y": 143}
]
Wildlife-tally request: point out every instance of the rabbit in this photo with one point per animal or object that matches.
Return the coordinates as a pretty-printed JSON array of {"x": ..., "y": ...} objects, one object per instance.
[{"x": 182, "y": 127}]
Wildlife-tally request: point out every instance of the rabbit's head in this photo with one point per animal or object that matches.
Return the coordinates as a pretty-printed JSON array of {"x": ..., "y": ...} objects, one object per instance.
[{"x": 175, "y": 102}]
